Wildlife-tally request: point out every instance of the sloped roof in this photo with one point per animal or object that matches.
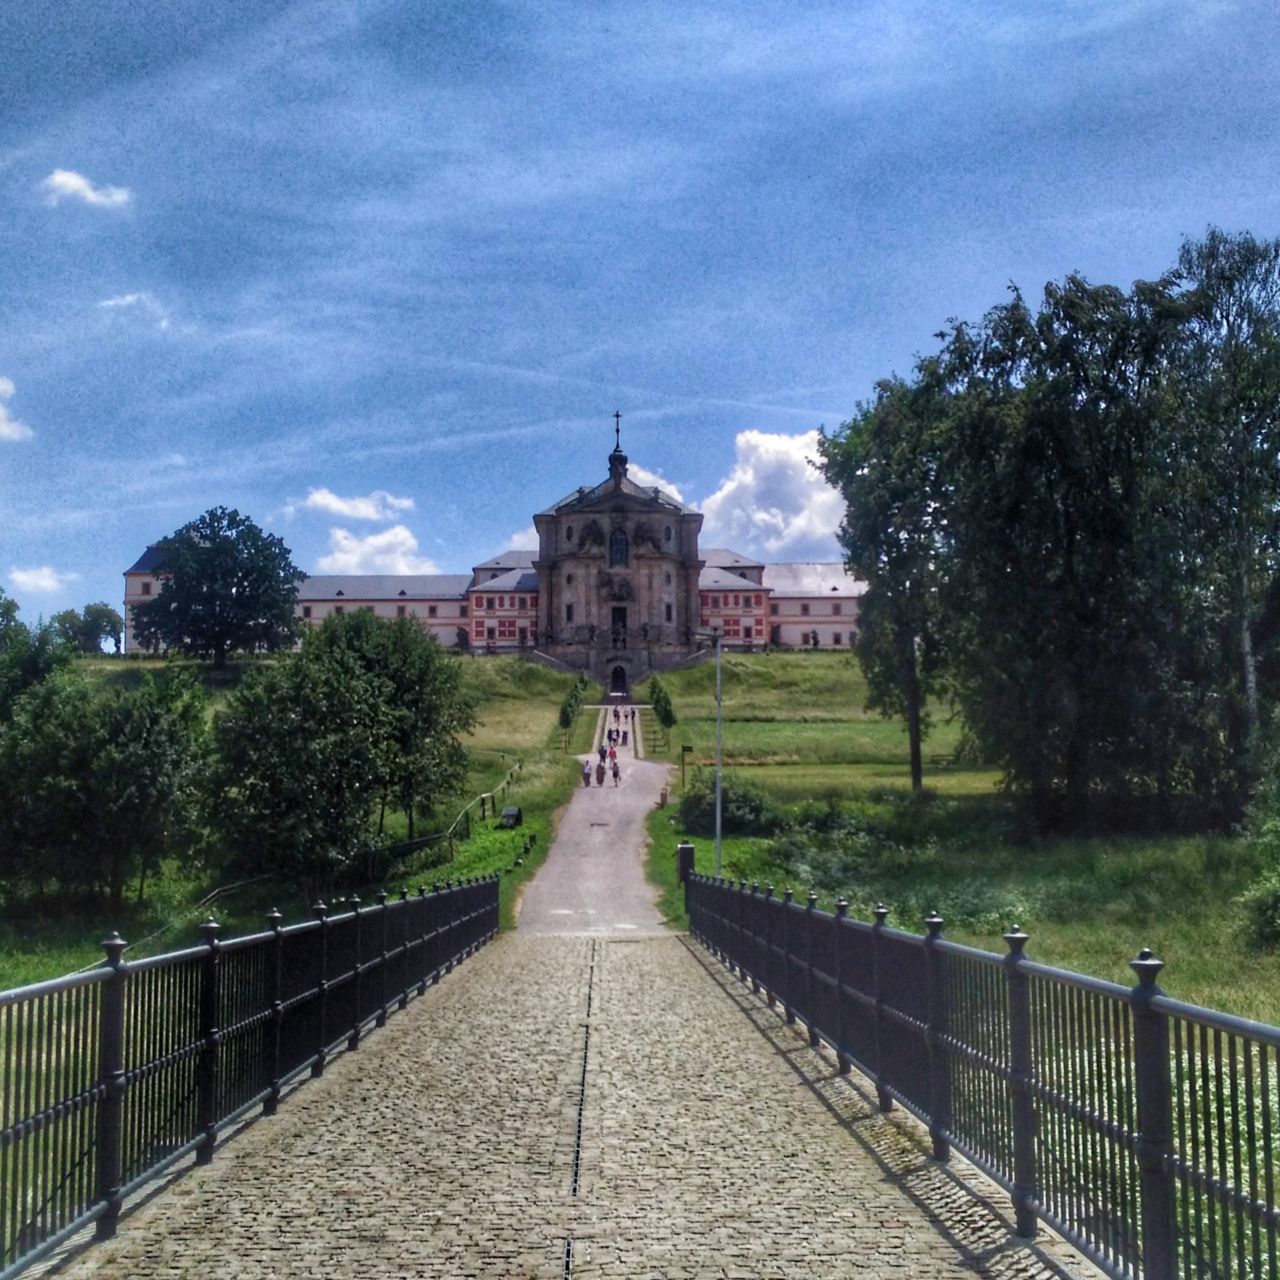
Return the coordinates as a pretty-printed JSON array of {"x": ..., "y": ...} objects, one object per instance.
[
  {"x": 150, "y": 561},
  {"x": 812, "y": 578},
  {"x": 723, "y": 558},
  {"x": 513, "y": 558},
  {"x": 590, "y": 497},
  {"x": 714, "y": 579},
  {"x": 514, "y": 580},
  {"x": 385, "y": 586}
]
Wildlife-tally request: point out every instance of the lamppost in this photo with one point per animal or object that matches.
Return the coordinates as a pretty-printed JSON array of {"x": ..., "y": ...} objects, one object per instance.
[{"x": 717, "y": 635}]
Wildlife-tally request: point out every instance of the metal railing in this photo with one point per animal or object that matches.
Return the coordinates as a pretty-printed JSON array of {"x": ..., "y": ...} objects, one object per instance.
[
  {"x": 110, "y": 1077},
  {"x": 1143, "y": 1130}
]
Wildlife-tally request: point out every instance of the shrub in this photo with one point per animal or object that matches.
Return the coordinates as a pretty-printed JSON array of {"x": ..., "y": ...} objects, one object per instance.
[{"x": 746, "y": 810}]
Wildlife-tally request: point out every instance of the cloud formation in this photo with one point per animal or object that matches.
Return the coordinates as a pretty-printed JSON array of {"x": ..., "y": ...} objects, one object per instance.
[
  {"x": 393, "y": 550},
  {"x": 378, "y": 505},
  {"x": 43, "y": 578},
  {"x": 67, "y": 184},
  {"x": 142, "y": 303},
  {"x": 525, "y": 539},
  {"x": 10, "y": 427},
  {"x": 774, "y": 504}
]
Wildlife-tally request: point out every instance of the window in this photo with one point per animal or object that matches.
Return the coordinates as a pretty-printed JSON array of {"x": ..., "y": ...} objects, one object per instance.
[
  {"x": 479, "y": 604},
  {"x": 835, "y": 611},
  {"x": 366, "y": 608},
  {"x": 746, "y": 633},
  {"x": 502, "y": 602},
  {"x": 666, "y": 537},
  {"x": 462, "y": 611},
  {"x": 836, "y": 638},
  {"x": 431, "y": 611},
  {"x": 490, "y": 633},
  {"x": 737, "y": 602},
  {"x": 479, "y": 628},
  {"x": 337, "y": 608},
  {"x": 773, "y": 608},
  {"x": 668, "y": 613},
  {"x": 568, "y": 613},
  {"x": 668, "y": 579},
  {"x": 619, "y": 549},
  {"x": 706, "y": 600},
  {"x": 568, "y": 534},
  {"x": 306, "y": 611},
  {"x": 760, "y": 601},
  {"x": 488, "y": 602},
  {"x": 400, "y": 611},
  {"x": 146, "y": 588},
  {"x": 568, "y": 579},
  {"x": 523, "y": 602},
  {"x": 804, "y": 610},
  {"x": 533, "y": 602},
  {"x": 715, "y": 602},
  {"x": 506, "y": 628}
]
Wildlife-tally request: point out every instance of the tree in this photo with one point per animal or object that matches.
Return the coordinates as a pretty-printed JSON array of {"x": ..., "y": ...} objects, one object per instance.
[
  {"x": 426, "y": 708},
  {"x": 225, "y": 585},
  {"x": 97, "y": 783},
  {"x": 885, "y": 462},
  {"x": 1234, "y": 363},
  {"x": 86, "y": 632},
  {"x": 28, "y": 655}
]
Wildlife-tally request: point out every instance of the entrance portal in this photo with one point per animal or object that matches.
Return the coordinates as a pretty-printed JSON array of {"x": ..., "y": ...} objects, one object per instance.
[{"x": 618, "y": 681}]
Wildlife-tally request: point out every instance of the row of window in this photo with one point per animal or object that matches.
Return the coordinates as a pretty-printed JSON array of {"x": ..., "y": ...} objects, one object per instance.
[
  {"x": 740, "y": 601},
  {"x": 402, "y": 611},
  {"x": 504, "y": 602},
  {"x": 503, "y": 629}
]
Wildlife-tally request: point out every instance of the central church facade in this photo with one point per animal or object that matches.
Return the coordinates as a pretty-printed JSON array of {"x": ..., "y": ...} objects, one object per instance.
[
  {"x": 618, "y": 587},
  {"x": 618, "y": 578}
]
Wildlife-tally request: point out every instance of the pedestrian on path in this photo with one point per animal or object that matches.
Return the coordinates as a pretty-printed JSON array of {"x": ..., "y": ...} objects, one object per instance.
[
  {"x": 613, "y": 753},
  {"x": 586, "y": 773},
  {"x": 617, "y": 773},
  {"x": 624, "y": 737},
  {"x": 600, "y": 774},
  {"x": 602, "y": 752}
]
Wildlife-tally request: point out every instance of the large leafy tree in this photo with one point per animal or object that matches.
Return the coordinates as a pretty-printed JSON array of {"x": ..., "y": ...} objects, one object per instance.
[
  {"x": 86, "y": 631},
  {"x": 97, "y": 783},
  {"x": 885, "y": 462},
  {"x": 28, "y": 655},
  {"x": 225, "y": 586}
]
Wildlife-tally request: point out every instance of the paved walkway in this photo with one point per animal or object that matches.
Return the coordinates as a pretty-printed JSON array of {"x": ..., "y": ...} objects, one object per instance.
[{"x": 608, "y": 1103}]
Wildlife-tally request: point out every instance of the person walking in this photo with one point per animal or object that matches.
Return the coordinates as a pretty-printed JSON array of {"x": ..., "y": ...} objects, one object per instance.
[
  {"x": 586, "y": 773},
  {"x": 617, "y": 773},
  {"x": 613, "y": 755},
  {"x": 600, "y": 774},
  {"x": 603, "y": 751},
  {"x": 624, "y": 737}
]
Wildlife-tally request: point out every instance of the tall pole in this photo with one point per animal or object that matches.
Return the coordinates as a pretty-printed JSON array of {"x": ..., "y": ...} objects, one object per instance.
[{"x": 719, "y": 751}]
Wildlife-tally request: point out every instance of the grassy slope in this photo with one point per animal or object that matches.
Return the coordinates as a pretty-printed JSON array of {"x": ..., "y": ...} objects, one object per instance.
[
  {"x": 518, "y": 704},
  {"x": 1089, "y": 905}
]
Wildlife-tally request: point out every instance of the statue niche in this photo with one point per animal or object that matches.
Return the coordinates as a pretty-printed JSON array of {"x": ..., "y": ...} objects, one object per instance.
[
  {"x": 592, "y": 535},
  {"x": 615, "y": 587},
  {"x": 645, "y": 534}
]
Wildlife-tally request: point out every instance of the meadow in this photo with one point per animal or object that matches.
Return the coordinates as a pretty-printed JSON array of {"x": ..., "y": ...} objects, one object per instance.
[{"x": 795, "y": 730}]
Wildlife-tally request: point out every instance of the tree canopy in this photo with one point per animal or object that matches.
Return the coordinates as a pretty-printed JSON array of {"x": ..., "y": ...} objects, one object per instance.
[
  {"x": 86, "y": 631},
  {"x": 225, "y": 585}
]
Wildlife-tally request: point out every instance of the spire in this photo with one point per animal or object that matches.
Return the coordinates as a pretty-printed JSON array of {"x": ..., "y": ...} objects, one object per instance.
[{"x": 617, "y": 459}]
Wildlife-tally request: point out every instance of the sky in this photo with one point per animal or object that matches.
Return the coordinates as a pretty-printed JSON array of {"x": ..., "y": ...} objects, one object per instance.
[{"x": 378, "y": 273}]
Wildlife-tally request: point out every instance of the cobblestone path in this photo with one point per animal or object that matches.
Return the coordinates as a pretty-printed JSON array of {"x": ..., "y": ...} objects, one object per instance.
[{"x": 585, "y": 1107}]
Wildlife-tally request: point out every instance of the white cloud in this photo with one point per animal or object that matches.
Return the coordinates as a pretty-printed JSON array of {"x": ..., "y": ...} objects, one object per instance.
[
  {"x": 75, "y": 186},
  {"x": 524, "y": 540},
  {"x": 392, "y": 550},
  {"x": 774, "y": 504},
  {"x": 141, "y": 302},
  {"x": 44, "y": 578},
  {"x": 11, "y": 428},
  {"x": 642, "y": 475},
  {"x": 378, "y": 505}
]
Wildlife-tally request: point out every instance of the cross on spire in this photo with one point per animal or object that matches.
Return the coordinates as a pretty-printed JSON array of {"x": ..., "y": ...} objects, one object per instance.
[{"x": 617, "y": 429}]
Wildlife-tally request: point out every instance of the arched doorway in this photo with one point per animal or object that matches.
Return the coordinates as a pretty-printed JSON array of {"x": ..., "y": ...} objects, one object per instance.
[{"x": 618, "y": 681}]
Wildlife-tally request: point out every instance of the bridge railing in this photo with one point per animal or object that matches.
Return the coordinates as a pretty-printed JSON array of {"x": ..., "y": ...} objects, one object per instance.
[
  {"x": 109, "y": 1077},
  {"x": 1144, "y": 1130}
]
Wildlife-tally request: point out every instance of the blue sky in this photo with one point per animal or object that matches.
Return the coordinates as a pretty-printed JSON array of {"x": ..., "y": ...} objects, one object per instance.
[{"x": 378, "y": 274}]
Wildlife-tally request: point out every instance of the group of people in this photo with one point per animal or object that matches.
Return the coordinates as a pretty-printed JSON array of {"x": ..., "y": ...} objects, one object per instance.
[{"x": 608, "y": 749}]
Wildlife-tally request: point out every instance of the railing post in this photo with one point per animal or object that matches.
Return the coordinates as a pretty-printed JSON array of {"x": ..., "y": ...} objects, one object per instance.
[
  {"x": 1155, "y": 1116},
  {"x": 425, "y": 916},
  {"x": 770, "y": 914},
  {"x": 322, "y": 991},
  {"x": 357, "y": 976},
  {"x": 939, "y": 1064},
  {"x": 881, "y": 913},
  {"x": 111, "y": 1075},
  {"x": 810, "y": 982},
  {"x": 758, "y": 967},
  {"x": 787, "y": 1008},
  {"x": 211, "y": 1035},
  {"x": 381, "y": 1020},
  {"x": 274, "y": 918},
  {"x": 1018, "y": 990},
  {"x": 404, "y": 946},
  {"x": 841, "y": 1027}
]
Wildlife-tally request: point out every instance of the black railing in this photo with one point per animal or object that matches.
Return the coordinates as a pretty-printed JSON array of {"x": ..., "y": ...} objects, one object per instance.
[
  {"x": 1144, "y": 1130},
  {"x": 108, "y": 1078}
]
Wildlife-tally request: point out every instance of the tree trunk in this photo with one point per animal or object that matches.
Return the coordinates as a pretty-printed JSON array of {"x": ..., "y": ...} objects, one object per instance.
[
  {"x": 911, "y": 703},
  {"x": 1247, "y": 660}
]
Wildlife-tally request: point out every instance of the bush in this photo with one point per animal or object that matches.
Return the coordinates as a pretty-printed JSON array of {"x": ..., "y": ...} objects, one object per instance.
[
  {"x": 1260, "y": 904},
  {"x": 746, "y": 810}
]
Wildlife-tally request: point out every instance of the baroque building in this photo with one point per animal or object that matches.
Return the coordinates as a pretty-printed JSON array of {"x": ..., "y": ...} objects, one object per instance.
[{"x": 618, "y": 587}]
